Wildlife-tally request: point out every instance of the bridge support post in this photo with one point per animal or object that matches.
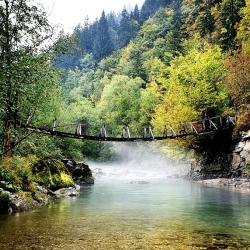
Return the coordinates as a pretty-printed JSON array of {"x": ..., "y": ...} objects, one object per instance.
[
  {"x": 54, "y": 125},
  {"x": 212, "y": 124},
  {"x": 103, "y": 132},
  {"x": 151, "y": 132},
  {"x": 194, "y": 130},
  {"x": 126, "y": 132},
  {"x": 79, "y": 129},
  {"x": 165, "y": 132},
  {"x": 172, "y": 132}
]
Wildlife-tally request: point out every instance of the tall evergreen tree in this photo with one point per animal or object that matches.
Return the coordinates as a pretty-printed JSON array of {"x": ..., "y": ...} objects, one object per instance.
[
  {"x": 229, "y": 18},
  {"x": 136, "y": 13},
  {"x": 85, "y": 38},
  {"x": 113, "y": 29},
  {"x": 124, "y": 29},
  {"x": 103, "y": 45},
  {"x": 151, "y": 6}
]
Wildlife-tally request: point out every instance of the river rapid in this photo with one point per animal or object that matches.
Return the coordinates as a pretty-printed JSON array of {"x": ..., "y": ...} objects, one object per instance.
[{"x": 138, "y": 202}]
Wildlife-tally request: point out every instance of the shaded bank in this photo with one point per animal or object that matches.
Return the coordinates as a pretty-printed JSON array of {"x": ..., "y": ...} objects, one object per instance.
[{"x": 223, "y": 157}]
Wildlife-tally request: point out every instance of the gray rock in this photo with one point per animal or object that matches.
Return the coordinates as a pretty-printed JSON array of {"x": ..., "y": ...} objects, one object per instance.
[
  {"x": 236, "y": 161},
  {"x": 247, "y": 146},
  {"x": 66, "y": 192},
  {"x": 77, "y": 187},
  {"x": 246, "y": 135},
  {"x": 81, "y": 173},
  {"x": 245, "y": 155},
  {"x": 239, "y": 147}
]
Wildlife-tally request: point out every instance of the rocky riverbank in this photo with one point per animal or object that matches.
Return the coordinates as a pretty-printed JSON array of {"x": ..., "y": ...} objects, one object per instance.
[
  {"x": 53, "y": 179},
  {"x": 233, "y": 184},
  {"x": 231, "y": 171}
]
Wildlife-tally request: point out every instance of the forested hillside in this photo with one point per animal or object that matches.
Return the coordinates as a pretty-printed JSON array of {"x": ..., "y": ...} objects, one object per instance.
[
  {"x": 168, "y": 63},
  {"x": 183, "y": 60}
]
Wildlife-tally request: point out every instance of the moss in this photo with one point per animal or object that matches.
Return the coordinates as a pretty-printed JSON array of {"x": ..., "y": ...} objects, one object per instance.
[
  {"x": 52, "y": 174},
  {"x": 39, "y": 196}
]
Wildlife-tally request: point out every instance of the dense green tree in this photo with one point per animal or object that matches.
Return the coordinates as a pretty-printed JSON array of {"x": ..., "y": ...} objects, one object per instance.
[
  {"x": 194, "y": 88},
  {"x": 230, "y": 17},
  {"x": 103, "y": 45},
  {"x": 128, "y": 28},
  {"x": 136, "y": 13},
  {"x": 26, "y": 75},
  {"x": 151, "y": 6},
  {"x": 120, "y": 103},
  {"x": 243, "y": 34}
]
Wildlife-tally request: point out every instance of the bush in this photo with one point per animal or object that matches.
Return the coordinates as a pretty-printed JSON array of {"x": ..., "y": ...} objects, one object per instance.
[
  {"x": 16, "y": 173},
  {"x": 9, "y": 180}
]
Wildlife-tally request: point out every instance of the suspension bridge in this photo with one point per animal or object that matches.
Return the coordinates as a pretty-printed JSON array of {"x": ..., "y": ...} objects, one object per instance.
[{"x": 194, "y": 128}]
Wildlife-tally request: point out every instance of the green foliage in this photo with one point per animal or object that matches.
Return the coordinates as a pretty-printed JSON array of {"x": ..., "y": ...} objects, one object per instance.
[
  {"x": 172, "y": 70},
  {"x": 243, "y": 34},
  {"x": 194, "y": 88},
  {"x": 121, "y": 101},
  {"x": 8, "y": 178},
  {"x": 16, "y": 173},
  {"x": 102, "y": 44}
]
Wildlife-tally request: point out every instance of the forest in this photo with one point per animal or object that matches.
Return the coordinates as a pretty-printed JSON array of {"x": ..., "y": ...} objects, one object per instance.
[{"x": 169, "y": 62}]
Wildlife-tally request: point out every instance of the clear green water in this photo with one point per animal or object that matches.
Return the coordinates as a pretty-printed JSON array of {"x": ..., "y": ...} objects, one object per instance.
[
  {"x": 135, "y": 205},
  {"x": 120, "y": 214}
]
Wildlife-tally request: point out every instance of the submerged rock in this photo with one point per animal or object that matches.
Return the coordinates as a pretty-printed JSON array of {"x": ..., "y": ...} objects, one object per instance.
[
  {"x": 234, "y": 184},
  {"x": 67, "y": 192},
  {"x": 139, "y": 182}
]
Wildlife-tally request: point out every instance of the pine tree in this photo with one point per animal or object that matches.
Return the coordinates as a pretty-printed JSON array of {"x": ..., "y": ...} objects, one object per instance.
[
  {"x": 136, "y": 13},
  {"x": 103, "y": 45},
  {"x": 229, "y": 18},
  {"x": 124, "y": 29},
  {"x": 151, "y": 6}
]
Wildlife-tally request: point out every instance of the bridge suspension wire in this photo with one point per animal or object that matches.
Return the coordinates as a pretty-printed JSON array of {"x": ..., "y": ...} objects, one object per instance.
[{"x": 193, "y": 128}]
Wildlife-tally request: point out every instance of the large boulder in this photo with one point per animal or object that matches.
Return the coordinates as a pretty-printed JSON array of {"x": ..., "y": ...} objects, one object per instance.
[
  {"x": 52, "y": 174},
  {"x": 21, "y": 201},
  {"x": 81, "y": 173}
]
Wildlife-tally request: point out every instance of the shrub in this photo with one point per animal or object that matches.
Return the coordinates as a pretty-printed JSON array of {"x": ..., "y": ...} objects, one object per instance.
[
  {"x": 16, "y": 173},
  {"x": 9, "y": 180}
]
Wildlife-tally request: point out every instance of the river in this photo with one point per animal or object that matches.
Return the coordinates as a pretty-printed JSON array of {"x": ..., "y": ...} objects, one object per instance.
[{"x": 137, "y": 203}]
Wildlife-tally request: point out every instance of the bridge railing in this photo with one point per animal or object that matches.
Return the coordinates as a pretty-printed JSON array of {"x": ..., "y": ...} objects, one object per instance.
[{"x": 202, "y": 126}]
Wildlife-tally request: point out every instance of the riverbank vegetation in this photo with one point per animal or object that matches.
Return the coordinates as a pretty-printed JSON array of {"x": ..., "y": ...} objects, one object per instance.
[{"x": 168, "y": 63}]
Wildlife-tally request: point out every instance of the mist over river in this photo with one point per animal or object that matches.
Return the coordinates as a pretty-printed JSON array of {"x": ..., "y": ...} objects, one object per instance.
[{"x": 138, "y": 202}]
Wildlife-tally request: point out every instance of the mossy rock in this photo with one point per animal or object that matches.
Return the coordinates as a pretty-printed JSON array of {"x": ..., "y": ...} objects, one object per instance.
[{"x": 52, "y": 174}]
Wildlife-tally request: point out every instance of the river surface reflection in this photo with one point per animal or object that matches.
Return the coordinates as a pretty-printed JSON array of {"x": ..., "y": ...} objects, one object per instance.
[{"x": 135, "y": 214}]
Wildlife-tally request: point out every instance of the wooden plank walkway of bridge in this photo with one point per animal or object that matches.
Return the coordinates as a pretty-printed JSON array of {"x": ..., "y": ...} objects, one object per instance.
[{"x": 197, "y": 128}]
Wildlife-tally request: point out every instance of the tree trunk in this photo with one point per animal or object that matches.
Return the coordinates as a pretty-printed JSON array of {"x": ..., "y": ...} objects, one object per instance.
[{"x": 7, "y": 143}]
